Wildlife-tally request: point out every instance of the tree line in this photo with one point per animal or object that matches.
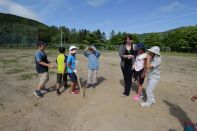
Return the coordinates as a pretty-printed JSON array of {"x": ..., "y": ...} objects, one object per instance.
[{"x": 18, "y": 32}]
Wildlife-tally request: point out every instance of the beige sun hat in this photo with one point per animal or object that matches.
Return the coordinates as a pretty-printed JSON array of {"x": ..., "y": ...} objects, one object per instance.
[{"x": 155, "y": 50}]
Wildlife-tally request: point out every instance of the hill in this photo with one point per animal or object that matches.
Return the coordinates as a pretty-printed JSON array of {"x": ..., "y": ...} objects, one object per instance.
[{"x": 17, "y": 31}]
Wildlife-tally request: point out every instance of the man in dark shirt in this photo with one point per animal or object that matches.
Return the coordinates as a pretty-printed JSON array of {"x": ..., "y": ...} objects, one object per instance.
[{"x": 42, "y": 65}]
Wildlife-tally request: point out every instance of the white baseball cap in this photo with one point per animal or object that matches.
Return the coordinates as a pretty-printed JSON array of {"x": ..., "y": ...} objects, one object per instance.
[
  {"x": 72, "y": 47},
  {"x": 155, "y": 50}
]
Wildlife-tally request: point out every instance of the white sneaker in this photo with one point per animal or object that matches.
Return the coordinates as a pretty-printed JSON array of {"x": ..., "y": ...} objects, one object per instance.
[
  {"x": 145, "y": 104},
  {"x": 154, "y": 101}
]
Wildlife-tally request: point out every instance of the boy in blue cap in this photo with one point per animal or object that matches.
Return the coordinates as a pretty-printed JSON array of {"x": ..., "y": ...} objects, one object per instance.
[{"x": 140, "y": 69}]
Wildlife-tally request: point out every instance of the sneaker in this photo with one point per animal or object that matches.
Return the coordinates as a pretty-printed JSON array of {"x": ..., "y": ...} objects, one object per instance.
[
  {"x": 38, "y": 93},
  {"x": 66, "y": 86},
  {"x": 141, "y": 95},
  {"x": 145, "y": 104},
  {"x": 45, "y": 88},
  {"x": 73, "y": 92},
  {"x": 123, "y": 95},
  {"x": 88, "y": 85},
  {"x": 58, "y": 92},
  {"x": 154, "y": 101},
  {"x": 94, "y": 85},
  {"x": 136, "y": 98},
  {"x": 77, "y": 90}
]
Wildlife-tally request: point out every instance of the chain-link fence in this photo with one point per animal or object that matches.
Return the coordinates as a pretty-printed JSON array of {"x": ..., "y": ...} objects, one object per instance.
[{"x": 17, "y": 35}]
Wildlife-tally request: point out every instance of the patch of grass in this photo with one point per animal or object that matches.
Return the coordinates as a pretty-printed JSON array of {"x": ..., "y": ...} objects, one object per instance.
[
  {"x": 8, "y": 62},
  {"x": 28, "y": 76},
  {"x": 14, "y": 71},
  {"x": 179, "y": 54},
  {"x": 113, "y": 65}
]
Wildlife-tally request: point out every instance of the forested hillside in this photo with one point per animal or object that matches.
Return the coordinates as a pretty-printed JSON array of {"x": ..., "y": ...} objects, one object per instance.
[{"x": 17, "y": 31}]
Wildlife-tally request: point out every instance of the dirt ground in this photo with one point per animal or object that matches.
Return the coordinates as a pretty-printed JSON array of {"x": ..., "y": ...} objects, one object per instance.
[{"x": 103, "y": 108}]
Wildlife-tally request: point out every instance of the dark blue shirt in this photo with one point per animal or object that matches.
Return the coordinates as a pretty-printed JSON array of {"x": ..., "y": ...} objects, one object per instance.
[{"x": 40, "y": 56}]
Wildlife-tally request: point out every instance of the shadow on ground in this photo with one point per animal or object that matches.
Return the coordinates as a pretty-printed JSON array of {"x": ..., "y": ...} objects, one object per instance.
[
  {"x": 176, "y": 111},
  {"x": 99, "y": 81},
  {"x": 134, "y": 87}
]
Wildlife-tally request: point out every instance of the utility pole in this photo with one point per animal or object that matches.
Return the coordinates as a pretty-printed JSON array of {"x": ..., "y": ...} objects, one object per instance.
[{"x": 61, "y": 36}]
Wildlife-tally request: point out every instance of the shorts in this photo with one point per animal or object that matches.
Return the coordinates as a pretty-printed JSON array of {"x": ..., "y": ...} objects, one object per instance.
[
  {"x": 73, "y": 77},
  {"x": 60, "y": 77},
  {"x": 44, "y": 77},
  {"x": 137, "y": 76}
]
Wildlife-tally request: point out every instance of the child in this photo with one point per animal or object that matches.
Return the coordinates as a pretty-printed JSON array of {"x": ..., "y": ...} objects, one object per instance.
[
  {"x": 42, "y": 65},
  {"x": 93, "y": 65},
  {"x": 61, "y": 69},
  {"x": 71, "y": 66},
  {"x": 140, "y": 71},
  {"x": 153, "y": 77}
]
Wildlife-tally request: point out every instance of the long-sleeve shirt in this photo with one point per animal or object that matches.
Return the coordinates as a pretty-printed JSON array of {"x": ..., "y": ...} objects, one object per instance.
[{"x": 93, "y": 63}]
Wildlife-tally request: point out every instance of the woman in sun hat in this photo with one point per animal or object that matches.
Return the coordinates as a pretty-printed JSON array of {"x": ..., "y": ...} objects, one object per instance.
[{"x": 153, "y": 76}]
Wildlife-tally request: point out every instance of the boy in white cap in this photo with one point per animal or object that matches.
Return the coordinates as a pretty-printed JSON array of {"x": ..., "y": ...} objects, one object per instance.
[
  {"x": 153, "y": 77},
  {"x": 71, "y": 66}
]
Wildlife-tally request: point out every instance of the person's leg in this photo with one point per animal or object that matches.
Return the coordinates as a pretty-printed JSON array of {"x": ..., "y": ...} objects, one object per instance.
[
  {"x": 65, "y": 79},
  {"x": 128, "y": 79},
  {"x": 123, "y": 72},
  {"x": 73, "y": 78},
  {"x": 44, "y": 77},
  {"x": 140, "y": 83},
  {"x": 89, "y": 80},
  {"x": 150, "y": 90},
  {"x": 94, "y": 76},
  {"x": 59, "y": 80}
]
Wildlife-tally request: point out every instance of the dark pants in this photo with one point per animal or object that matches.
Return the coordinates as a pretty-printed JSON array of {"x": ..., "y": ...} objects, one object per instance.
[
  {"x": 127, "y": 74},
  {"x": 60, "y": 77}
]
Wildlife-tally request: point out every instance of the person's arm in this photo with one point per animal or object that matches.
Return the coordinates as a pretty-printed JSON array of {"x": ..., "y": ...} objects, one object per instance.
[
  {"x": 145, "y": 69},
  {"x": 121, "y": 51},
  {"x": 122, "y": 55},
  {"x": 39, "y": 61},
  {"x": 97, "y": 53},
  {"x": 69, "y": 62},
  {"x": 45, "y": 64},
  {"x": 85, "y": 53},
  {"x": 194, "y": 98},
  {"x": 148, "y": 63},
  {"x": 153, "y": 62}
]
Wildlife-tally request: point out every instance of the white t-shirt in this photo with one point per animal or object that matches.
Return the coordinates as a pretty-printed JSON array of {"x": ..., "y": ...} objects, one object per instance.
[{"x": 139, "y": 62}]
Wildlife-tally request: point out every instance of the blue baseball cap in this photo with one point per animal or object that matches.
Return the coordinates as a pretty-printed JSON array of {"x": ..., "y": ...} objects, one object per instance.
[{"x": 140, "y": 46}]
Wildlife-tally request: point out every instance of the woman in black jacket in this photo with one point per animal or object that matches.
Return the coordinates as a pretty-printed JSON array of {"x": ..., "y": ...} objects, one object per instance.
[{"x": 127, "y": 55}]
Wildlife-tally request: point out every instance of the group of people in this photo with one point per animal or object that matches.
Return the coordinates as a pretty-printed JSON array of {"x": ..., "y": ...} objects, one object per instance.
[
  {"x": 66, "y": 66},
  {"x": 137, "y": 64}
]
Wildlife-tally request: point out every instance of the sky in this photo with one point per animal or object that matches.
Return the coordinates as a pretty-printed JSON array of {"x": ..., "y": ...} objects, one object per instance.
[{"x": 132, "y": 16}]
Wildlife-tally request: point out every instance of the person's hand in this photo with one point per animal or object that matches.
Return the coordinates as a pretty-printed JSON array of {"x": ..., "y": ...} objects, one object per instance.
[
  {"x": 130, "y": 56},
  {"x": 194, "y": 98},
  {"x": 75, "y": 71},
  {"x": 143, "y": 75},
  {"x": 132, "y": 67},
  {"x": 51, "y": 65}
]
